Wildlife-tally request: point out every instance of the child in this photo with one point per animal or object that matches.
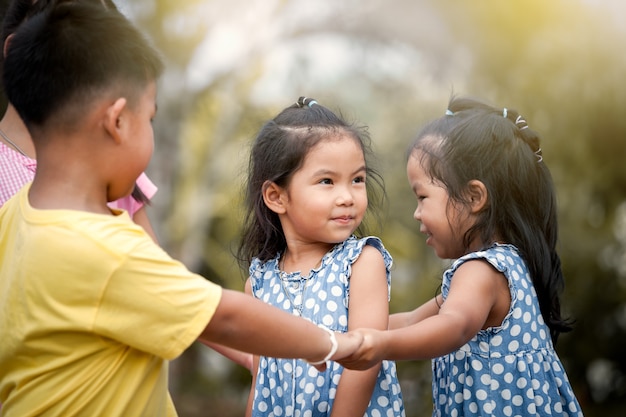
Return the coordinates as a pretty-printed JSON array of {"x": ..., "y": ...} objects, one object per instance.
[
  {"x": 17, "y": 152},
  {"x": 17, "y": 163},
  {"x": 91, "y": 308},
  {"x": 485, "y": 196},
  {"x": 307, "y": 193}
]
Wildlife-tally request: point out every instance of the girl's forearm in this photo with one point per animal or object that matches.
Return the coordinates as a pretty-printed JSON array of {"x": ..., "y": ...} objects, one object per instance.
[
  {"x": 409, "y": 318},
  {"x": 354, "y": 392}
]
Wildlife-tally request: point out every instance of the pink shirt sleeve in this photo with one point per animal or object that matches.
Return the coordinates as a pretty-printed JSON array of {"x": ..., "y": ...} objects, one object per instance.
[{"x": 131, "y": 205}]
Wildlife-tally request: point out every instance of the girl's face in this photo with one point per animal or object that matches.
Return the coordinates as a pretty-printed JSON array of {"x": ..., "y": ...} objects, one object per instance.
[
  {"x": 326, "y": 198},
  {"x": 444, "y": 224}
]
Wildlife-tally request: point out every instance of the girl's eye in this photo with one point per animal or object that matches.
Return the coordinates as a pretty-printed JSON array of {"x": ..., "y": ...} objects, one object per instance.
[
  {"x": 359, "y": 180},
  {"x": 326, "y": 181}
]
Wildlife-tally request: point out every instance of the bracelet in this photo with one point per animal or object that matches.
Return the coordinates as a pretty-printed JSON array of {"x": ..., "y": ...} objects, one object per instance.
[{"x": 333, "y": 347}]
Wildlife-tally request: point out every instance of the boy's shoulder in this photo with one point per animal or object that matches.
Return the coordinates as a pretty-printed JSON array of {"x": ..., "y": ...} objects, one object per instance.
[{"x": 70, "y": 233}]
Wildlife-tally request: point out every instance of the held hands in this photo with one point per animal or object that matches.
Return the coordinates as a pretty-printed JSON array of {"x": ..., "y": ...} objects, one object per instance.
[
  {"x": 369, "y": 352},
  {"x": 342, "y": 345}
]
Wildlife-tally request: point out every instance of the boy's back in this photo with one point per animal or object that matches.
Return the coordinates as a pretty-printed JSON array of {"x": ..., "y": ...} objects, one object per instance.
[{"x": 89, "y": 306}]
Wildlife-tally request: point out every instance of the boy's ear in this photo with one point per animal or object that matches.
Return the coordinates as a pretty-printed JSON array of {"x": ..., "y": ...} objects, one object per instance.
[
  {"x": 274, "y": 197},
  {"x": 113, "y": 122},
  {"x": 478, "y": 196}
]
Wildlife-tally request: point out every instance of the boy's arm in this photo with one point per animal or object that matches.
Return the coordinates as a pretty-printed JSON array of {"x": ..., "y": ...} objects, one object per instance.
[
  {"x": 241, "y": 358},
  {"x": 368, "y": 307},
  {"x": 247, "y": 324},
  {"x": 409, "y": 318}
]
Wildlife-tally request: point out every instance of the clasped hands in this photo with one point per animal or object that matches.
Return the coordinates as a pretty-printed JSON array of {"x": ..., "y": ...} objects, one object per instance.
[{"x": 359, "y": 349}]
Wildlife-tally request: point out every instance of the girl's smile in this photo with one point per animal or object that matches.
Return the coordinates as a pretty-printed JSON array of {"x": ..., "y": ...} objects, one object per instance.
[{"x": 326, "y": 198}]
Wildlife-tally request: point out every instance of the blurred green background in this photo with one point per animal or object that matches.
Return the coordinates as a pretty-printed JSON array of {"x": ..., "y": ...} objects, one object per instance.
[{"x": 392, "y": 65}]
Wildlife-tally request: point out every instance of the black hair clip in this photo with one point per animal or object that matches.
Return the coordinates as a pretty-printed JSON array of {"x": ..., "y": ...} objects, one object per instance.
[{"x": 305, "y": 101}]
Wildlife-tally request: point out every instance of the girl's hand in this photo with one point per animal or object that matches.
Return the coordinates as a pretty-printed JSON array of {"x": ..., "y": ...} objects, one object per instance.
[{"x": 369, "y": 353}]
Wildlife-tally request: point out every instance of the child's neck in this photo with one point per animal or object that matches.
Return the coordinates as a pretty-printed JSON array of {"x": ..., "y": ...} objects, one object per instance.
[
  {"x": 67, "y": 179},
  {"x": 303, "y": 257}
]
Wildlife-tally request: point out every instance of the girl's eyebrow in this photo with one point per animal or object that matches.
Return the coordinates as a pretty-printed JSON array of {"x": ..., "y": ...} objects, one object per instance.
[{"x": 329, "y": 171}]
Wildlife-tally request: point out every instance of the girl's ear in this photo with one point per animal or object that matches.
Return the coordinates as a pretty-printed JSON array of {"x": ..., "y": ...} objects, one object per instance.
[
  {"x": 274, "y": 197},
  {"x": 6, "y": 44},
  {"x": 113, "y": 122},
  {"x": 478, "y": 196}
]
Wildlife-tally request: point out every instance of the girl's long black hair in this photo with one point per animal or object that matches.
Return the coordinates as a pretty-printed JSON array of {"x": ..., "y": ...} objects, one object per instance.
[
  {"x": 497, "y": 147},
  {"x": 277, "y": 153}
]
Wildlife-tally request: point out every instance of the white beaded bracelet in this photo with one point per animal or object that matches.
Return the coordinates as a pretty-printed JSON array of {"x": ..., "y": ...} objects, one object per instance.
[{"x": 333, "y": 347}]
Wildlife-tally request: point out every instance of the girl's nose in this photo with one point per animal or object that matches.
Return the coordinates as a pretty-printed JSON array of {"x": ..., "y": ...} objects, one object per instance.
[
  {"x": 345, "y": 198},
  {"x": 417, "y": 214}
]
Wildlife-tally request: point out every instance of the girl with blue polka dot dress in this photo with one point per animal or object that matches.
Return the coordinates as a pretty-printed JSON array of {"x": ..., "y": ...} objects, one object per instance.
[
  {"x": 485, "y": 197},
  {"x": 308, "y": 189}
]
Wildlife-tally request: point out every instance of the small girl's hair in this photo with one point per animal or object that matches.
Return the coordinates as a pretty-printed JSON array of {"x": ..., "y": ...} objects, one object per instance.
[
  {"x": 496, "y": 146},
  {"x": 277, "y": 153}
]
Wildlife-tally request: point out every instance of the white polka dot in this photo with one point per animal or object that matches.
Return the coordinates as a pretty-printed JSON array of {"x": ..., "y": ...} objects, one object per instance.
[
  {"x": 477, "y": 365},
  {"x": 505, "y": 394},
  {"x": 481, "y": 395},
  {"x": 528, "y": 300},
  {"x": 497, "y": 368},
  {"x": 485, "y": 379},
  {"x": 382, "y": 401}
]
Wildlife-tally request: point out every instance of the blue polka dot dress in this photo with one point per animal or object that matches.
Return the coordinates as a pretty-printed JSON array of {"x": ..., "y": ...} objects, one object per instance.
[
  {"x": 511, "y": 370},
  {"x": 291, "y": 387}
]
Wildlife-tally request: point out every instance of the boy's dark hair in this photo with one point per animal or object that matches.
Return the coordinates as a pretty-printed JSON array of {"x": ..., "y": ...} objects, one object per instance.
[
  {"x": 496, "y": 146},
  {"x": 18, "y": 11},
  {"x": 63, "y": 58},
  {"x": 277, "y": 153}
]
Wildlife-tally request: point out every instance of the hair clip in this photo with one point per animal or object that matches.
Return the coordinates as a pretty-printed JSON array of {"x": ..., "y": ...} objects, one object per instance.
[
  {"x": 521, "y": 121},
  {"x": 504, "y": 112},
  {"x": 305, "y": 101},
  {"x": 449, "y": 112},
  {"x": 539, "y": 154}
]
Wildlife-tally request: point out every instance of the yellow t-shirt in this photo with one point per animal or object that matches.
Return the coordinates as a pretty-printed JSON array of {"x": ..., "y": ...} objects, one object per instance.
[{"x": 91, "y": 310}]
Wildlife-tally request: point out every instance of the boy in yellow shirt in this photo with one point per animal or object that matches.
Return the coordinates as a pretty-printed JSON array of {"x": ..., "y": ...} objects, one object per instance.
[{"x": 91, "y": 309}]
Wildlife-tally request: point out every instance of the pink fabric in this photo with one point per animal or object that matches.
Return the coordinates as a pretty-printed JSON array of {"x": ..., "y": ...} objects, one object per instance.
[
  {"x": 16, "y": 170},
  {"x": 131, "y": 205}
]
